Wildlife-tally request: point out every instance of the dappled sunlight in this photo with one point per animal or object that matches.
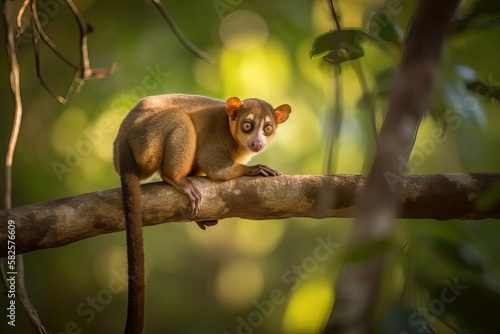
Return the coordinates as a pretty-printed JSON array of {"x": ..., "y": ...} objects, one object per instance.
[
  {"x": 237, "y": 237},
  {"x": 434, "y": 146},
  {"x": 72, "y": 121},
  {"x": 84, "y": 147},
  {"x": 351, "y": 149},
  {"x": 106, "y": 125},
  {"x": 264, "y": 72},
  {"x": 243, "y": 30},
  {"x": 208, "y": 78},
  {"x": 303, "y": 123},
  {"x": 239, "y": 269},
  {"x": 238, "y": 283},
  {"x": 110, "y": 264},
  {"x": 310, "y": 70},
  {"x": 258, "y": 238},
  {"x": 95, "y": 169},
  {"x": 321, "y": 17},
  {"x": 308, "y": 308},
  {"x": 215, "y": 241}
]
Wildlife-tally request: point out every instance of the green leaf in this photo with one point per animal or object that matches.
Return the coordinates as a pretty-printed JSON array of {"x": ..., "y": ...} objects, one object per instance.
[
  {"x": 485, "y": 90},
  {"x": 340, "y": 56},
  {"x": 339, "y": 46},
  {"x": 388, "y": 31}
]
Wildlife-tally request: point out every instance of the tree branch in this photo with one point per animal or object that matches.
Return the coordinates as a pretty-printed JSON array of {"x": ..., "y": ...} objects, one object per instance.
[{"x": 62, "y": 221}]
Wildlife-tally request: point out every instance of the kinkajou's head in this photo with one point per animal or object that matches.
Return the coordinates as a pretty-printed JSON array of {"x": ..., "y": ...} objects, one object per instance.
[{"x": 253, "y": 122}]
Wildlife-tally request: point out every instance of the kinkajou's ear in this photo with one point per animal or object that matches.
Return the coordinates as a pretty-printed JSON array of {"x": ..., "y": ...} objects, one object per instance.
[
  {"x": 233, "y": 104},
  {"x": 281, "y": 113}
]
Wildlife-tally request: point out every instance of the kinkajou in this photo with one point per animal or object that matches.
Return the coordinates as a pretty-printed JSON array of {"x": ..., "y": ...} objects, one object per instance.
[{"x": 182, "y": 135}]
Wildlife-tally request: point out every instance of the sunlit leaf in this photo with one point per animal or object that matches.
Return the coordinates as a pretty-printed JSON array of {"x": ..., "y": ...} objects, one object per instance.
[{"x": 339, "y": 46}]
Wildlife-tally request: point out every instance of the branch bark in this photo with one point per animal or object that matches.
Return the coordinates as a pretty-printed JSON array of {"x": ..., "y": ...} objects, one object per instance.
[{"x": 59, "y": 222}]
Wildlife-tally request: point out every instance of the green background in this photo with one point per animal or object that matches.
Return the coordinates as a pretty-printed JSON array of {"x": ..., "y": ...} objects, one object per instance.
[{"x": 251, "y": 276}]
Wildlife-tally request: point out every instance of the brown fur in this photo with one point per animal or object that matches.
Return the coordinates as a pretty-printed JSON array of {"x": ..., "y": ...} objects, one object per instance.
[{"x": 180, "y": 135}]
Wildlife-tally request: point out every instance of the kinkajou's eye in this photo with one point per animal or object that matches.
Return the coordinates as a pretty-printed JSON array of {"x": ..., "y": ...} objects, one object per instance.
[
  {"x": 268, "y": 129},
  {"x": 247, "y": 126}
]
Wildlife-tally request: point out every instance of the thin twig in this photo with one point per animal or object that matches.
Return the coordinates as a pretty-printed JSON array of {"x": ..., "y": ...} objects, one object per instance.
[
  {"x": 334, "y": 14},
  {"x": 20, "y": 14},
  {"x": 84, "y": 72},
  {"x": 85, "y": 29},
  {"x": 187, "y": 43},
  {"x": 22, "y": 293},
  {"x": 36, "y": 51},
  {"x": 18, "y": 111},
  {"x": 45, "y": 37}
]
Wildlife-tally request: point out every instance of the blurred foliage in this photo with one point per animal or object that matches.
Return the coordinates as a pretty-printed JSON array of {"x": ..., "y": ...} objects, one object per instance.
[{"x": 252, "y": 276}]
